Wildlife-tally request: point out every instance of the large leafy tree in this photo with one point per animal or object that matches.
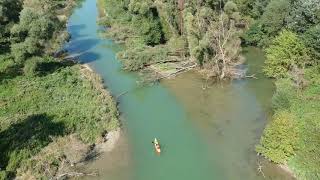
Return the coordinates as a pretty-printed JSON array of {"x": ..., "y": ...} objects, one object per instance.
[
  {"x": 273, "y": 19},
  {"x": 146, "y": 21},
  {"x": 36, "y": 26},
  {"x": 303, "y": 15},
  {"x": 312, "y": 40}
]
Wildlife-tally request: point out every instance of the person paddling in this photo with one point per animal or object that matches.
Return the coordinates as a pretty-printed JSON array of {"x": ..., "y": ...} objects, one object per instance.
[{"x": 156, "y": 146}]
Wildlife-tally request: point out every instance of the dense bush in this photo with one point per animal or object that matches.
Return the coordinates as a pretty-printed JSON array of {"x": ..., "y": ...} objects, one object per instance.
[
  {"x": 255, "y": 35},
  {"x": 311, "y": 38},
  {"x": 41, "y": 98},
  {"x": 286, "y": 51},
  {"x": 279, "y": 140},
  {"x": 303, "y": 15},
  {"x": 31, "y": 66},
  {"x": 150, "y": 30},
  {"x": 284, "y": 94},
  {"x": 274, "y": 16},
  {"x": 297, "y": 16},
  {"x": 304, "y": 105}
]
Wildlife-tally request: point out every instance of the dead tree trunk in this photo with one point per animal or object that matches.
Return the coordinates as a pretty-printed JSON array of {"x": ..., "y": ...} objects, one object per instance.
[
  {"x": 181, "y": 8},
  {"x": 222, "y": 36}
]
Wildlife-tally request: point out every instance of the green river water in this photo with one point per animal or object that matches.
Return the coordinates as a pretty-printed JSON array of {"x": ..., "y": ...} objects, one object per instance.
[{"x": 205, "y": 134}]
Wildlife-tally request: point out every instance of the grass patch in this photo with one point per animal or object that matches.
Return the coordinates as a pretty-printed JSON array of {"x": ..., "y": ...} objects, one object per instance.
[{"x": 34, "y": 110}]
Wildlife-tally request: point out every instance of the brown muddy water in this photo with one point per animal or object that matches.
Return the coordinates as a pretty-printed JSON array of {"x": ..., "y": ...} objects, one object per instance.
[{"x": 231, "y": 117}]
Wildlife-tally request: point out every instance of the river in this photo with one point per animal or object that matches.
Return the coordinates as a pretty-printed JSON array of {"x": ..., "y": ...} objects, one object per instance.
[{"x": 205, "y": 134}]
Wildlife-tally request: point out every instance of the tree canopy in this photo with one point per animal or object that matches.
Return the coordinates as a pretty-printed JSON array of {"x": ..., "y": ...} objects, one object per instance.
[{"x": 285, "y": 52}]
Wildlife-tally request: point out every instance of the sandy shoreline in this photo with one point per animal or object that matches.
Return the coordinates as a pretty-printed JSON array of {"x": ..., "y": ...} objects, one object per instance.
[
  {"x": 110, "y": 141},
  {"x": 286, "y": 169}
]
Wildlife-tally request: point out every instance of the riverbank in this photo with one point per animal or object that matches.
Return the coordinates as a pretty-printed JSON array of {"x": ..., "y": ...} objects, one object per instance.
[
  {"x": 295, "y": 127},
  {"x": 55, "y": 114},
  {"x": 292, "y": 49},
  {"x": 66, "y": 111}
]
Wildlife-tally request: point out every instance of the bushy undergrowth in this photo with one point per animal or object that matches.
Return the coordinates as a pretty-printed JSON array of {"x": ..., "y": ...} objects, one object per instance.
[
  {"x": 280, "y": 137},
  {"x": 57, "y": 100},
  {"x": 294, "y": 139}
]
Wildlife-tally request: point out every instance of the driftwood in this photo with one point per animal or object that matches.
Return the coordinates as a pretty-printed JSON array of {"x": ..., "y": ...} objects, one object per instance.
[
  {"x": 251, "y": 76},
  {"x": 177, "y": 72},
  {"x": 162, "y": 62},
  {"x": 121, "y": 94},
  {"x": 260, "y": 169},
  {"x": 243, "y": 75},
  {"x": 74, "y": 174}
]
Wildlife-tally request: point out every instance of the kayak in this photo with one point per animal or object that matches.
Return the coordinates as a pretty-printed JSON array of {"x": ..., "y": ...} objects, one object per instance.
[{"x": 156, "y": 146}]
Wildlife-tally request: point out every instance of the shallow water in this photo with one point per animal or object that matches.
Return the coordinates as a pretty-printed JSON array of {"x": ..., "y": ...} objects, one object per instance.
[
  {"x": 231, "y": 117},
  {"x": 205, "y": 135}
]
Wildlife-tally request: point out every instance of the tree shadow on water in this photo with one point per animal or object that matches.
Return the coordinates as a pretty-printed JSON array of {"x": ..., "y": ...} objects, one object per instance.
[
  {"x": 24, "y": 139},
  {"x": 88, "y": 57},
  {"x": 82, "y": 45},
  {"x": 75, "y": 30}
]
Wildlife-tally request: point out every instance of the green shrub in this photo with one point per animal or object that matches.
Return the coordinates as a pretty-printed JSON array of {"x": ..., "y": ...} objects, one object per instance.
[
  {"x": 6, "y": 61},
  {"x": 16, "y": 158},
  {"x": 274, "y": 16},
  {"x": 286, "y": 51},
  {"x": 279, "y": 140},
  {"x": 230, "y": 7},
  {"x": 149, "y": 30},
  {"x": 3, "y": 175},
  {"x": 254, "y": 35},
  {"x": 19, "y": 52},
  {"x": 312, "y": 40},
  {"x": 284, "y": 94},
  {"x": 31, "y": 66}
]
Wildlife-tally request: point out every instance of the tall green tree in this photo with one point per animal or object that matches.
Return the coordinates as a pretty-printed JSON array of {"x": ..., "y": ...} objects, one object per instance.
[
  {"x": 303, "y": 14},
  {"x": 36, "y": 26},
  {"x": 312, "y": 40},
  {"x": 273, "y": 19}
]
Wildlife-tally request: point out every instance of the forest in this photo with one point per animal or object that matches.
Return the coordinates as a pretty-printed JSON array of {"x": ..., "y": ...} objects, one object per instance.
[
  {"x": 44, "y": 110},
  {"x": 210, "y": 34}
]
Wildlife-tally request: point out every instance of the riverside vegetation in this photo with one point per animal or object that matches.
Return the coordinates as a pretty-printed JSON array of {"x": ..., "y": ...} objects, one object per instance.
[
  {"x": 209, "y": 33},
  {"x": 201, "y": 33},
  {"x": 291, "y": 40},
  {"x": 51, "y": 111}
]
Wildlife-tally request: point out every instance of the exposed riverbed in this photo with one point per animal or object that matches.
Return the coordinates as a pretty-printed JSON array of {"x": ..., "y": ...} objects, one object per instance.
[{"x": 206, "y": 134}]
